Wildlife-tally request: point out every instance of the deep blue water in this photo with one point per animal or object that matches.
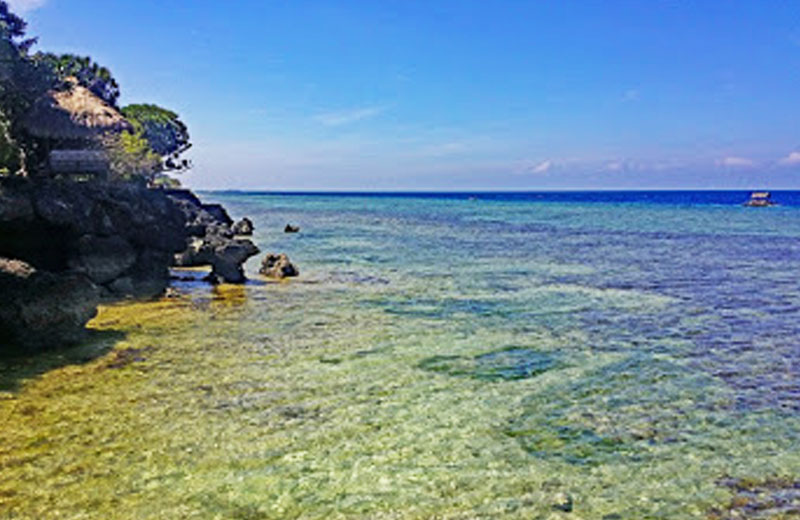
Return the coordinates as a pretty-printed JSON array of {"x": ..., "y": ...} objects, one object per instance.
[{"x": 677, "y": 197}]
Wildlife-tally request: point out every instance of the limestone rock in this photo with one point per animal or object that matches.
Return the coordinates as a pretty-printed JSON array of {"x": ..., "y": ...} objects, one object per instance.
[
  {"x": 103, "y": 230},
  {"x": 228, "y": 258},
  {"x": 219, "y": 213},
  {"x": 103, "y": 259},
  {"x": 278, "y": 266},
  {"x": 14, "y": 206},
  {"x": 244, "y": 227},
  {"x": 211, "y": 241},
  {"x": 43, "y": 310}
]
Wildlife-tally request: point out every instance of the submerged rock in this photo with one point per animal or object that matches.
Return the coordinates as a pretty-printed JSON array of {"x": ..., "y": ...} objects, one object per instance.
[
  {"x": 278, "y": 266},
  {"x": 562, "y": 502},
  {"x": 773, "y": 498}
]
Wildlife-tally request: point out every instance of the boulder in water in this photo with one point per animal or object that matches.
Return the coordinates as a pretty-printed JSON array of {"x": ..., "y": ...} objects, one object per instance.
[
  {"x": 291, "y": 229},
  {"x": 278, "y": 266},
  {"x": 244, "y": 227},
  {"x": 228, "y": 259}
]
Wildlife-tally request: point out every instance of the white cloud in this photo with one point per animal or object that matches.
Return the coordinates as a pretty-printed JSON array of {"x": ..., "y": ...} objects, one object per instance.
[
  {"x": 793, "y": 159},
  {"x": 23, "y": 6},
  {"x": 736, "y": 162},
  {"x": 614, "y": 166},
  {"x": 346, "y": 117},
  {"x": 542, "y": 167}
]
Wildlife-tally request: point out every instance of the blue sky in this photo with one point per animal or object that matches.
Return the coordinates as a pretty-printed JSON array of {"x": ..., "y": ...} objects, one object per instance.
[{"x": 458, "y": 95}]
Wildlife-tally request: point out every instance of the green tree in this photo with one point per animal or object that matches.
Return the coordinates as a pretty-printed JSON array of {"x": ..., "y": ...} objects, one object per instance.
[
  {"x": 21, "y": 82},
  {"x": 167, "y": 135},
  {"x": 95, "y": 77},
  {"x": 153, "y": 148},
  {"x": 12, "y": 28},
  {"x": 131, "y": 158}
]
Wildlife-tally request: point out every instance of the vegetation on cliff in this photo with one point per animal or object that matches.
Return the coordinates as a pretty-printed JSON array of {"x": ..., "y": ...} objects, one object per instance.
[{"x": 147, "y": 148}]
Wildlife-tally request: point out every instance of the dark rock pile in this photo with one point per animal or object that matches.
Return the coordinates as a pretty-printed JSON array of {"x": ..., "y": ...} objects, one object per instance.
[
  {"x": 120, "y": 236},
  {"x": 40, "y": 309},
  {"x": 212, "y": 239},
  {"x": 278, "y": 266},
  {"x": 243, "y": 227},
  {"x": 66, "y": 245}
]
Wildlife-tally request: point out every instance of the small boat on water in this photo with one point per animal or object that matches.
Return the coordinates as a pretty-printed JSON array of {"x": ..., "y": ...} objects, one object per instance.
[{"x": 760, "y": 199}]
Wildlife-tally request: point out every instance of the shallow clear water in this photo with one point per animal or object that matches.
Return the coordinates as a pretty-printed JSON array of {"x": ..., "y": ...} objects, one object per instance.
[{"x": 439, "y": 357}]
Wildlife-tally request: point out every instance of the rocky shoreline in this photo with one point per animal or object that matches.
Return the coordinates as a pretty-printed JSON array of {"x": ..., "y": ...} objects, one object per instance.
[
  {"x": 65, "y": 247},
  {"x": 213, "y": 239}
]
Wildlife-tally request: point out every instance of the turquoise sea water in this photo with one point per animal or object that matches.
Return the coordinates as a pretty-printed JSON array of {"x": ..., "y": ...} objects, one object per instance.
[{"x": 452, "y": 357}]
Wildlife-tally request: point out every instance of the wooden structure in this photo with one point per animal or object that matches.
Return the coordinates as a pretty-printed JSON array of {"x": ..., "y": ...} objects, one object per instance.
[
  {"x": 760, "y": 199},
  {"x": 93, "y": 162},
  {"x": 71, "y": 124}
]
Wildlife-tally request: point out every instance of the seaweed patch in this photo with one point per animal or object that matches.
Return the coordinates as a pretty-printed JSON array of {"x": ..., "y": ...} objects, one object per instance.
[{"x": 508, "y": 364}]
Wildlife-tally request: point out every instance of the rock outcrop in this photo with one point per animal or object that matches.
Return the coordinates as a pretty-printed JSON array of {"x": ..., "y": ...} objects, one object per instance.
[
  {"x": 243, "y": 227},
  {"x": 68, "y": 245},
  {"x": 43, "y": 310},
  {"x": 278, "y": 266},
  {"x": 65, "y": 246},
  {"x": 120, "y": 236},
  {"x": 211, "y": 241}
]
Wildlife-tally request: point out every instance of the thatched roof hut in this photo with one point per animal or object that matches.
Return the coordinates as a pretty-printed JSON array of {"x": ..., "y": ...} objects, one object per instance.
[{"x": 72, "y": 114}]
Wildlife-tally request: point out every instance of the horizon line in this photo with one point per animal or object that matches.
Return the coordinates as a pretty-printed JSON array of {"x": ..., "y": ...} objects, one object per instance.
[{"x": 479, "y": 191}]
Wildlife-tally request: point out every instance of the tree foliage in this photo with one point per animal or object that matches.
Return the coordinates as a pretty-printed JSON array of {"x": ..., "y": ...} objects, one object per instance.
[
  {"x": 12, "y": 28},
  {"x": 153, "y": 148},
  {"x": 95, "y": 77},
  {"x": 21, "y": 82},
  {"x": 167, "y": 135},
  {"x": 131, "y": 158}
]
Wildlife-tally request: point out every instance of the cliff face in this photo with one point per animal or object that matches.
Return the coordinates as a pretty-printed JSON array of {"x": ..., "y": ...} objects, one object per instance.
[{"x": 66, "y": 245}]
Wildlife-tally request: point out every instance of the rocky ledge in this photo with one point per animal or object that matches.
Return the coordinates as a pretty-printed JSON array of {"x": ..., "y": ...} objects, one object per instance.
[
  {"x": 66, "y": 246},
  {"x": 119, "y": 236}
]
